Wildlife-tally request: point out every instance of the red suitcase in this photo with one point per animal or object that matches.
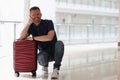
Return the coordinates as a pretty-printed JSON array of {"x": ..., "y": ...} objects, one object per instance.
[{"x": 25, "y": 56}]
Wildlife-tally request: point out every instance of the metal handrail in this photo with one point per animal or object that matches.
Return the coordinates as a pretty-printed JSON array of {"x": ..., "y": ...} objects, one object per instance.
[{"x": 2, "y": 21}]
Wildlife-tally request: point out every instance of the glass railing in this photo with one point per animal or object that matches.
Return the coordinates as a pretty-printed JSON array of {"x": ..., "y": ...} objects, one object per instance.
[
  {"x": 9, "y": 31},
  {"x": 69, "y": 33},
  {"x": 87, "y": 33},
  {"x": 112, "y": 4}
]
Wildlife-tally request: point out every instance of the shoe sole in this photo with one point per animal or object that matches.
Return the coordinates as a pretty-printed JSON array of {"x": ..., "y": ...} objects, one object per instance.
[{"x": 54, "y": 78}]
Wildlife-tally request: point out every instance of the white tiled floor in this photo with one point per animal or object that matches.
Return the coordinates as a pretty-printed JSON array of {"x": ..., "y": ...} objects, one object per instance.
[{"x": 80, "y": 62}]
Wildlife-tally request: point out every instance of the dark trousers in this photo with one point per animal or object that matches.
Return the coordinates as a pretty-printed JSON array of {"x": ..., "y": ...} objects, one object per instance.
[{"x": 52, "y": 54}]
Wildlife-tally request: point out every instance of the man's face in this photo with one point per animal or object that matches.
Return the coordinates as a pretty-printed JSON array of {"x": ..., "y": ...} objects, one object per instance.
[{"x": 35, "y": 15}]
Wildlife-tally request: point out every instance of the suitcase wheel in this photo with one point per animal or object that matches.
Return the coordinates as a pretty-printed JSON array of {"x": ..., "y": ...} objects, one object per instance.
[
  {"x": 17, "y": 74},
  {"x": 34, "y": 74}
]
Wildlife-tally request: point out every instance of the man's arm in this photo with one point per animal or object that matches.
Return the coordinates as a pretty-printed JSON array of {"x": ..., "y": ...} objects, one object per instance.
[
  {"x": 24, "y": 34},
  {"x": 48, "y": 37}
]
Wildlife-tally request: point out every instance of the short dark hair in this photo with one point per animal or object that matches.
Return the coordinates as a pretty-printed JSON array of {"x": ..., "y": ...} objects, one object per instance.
[{"x": 34, "y": 8}]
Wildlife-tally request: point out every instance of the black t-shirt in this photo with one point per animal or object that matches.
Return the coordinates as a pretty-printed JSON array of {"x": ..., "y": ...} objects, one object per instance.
[{"x": 42, "y": 29}]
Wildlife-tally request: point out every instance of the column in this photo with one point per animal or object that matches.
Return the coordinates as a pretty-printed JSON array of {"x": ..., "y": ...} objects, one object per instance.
[
  {"x": 26, "y": 11},
  {"x": 119, "y": 46}
]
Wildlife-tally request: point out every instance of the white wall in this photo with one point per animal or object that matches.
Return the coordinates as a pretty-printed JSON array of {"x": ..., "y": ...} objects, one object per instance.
[
  {"x": 47, "y": 8},
  {"x": 11, "y": 10}
]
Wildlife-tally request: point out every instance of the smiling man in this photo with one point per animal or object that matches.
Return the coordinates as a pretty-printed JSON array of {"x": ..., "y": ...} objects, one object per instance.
[{"x": 42, "y": 31}]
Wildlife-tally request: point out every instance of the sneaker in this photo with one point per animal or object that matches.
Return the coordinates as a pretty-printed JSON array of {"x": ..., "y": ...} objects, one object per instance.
[
  {"x": 45, "y": 72},
  {"x": 55, "y": 74}
]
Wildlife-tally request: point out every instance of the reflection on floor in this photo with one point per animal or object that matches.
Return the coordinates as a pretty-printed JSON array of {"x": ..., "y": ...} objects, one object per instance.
[{"x": 80, "y": 62}]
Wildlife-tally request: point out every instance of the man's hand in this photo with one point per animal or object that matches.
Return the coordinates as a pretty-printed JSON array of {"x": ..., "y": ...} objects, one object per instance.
[{"x": 30, "y": 21}]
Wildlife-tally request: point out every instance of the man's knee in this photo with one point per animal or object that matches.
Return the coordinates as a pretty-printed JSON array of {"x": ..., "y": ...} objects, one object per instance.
[{"x": 59, "y": 46}]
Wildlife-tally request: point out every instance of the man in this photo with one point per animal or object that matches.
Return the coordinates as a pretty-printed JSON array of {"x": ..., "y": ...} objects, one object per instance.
[{"x": 43, "y": 33}]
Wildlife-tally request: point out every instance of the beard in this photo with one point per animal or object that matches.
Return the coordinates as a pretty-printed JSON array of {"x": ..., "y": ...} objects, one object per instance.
[{"x": 37, "y": 20}]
